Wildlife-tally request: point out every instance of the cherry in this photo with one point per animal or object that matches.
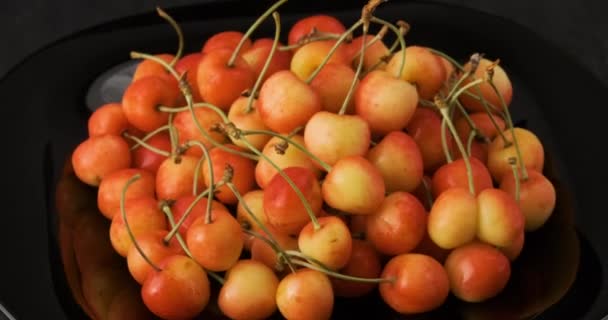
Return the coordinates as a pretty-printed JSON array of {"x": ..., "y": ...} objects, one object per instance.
[
  {"x": 185, "y": 205},
  {"x": 425, "y": 129},
  {"x": 305, "y": 294},
  {"x": 477, "y": 272},
  {"x": 314, "y": 55},
  {"x": 180, "y": 290},
  {"x": 243, "y": 177},
  {"x": 422, "y": 68},
  {"x": 152, "y": 68},
  {"x": 364, "y": 262},
  {"x": 109, "y": 119},
  {"x": 531, "y": 150},
  {"x": 228, "y": 39},
  {"x": 149, "y": 160},
  {"x": 175, "y": 177},
  {"x": 142, "y": 97},
  {"x": 249, "y": 120},
  {"x": 453, "y": 219},
  {"x": 96, "y": 157},
  {"x": 189, "y": 125},
  {"x": 419, "y": 283},
  {"x": 258, "y": 53},
  {"x": 110, "y": 189},
  {"x": 375, "y": 51},
  {"x": 331, "y": 244},
  {"x": 484, "y": 90},
  {"x": 333, "y": 83},
  {"x": 500, "y": 220},
  {"x": 454, "y": 174},
  {"x": 320, "y": 22}
]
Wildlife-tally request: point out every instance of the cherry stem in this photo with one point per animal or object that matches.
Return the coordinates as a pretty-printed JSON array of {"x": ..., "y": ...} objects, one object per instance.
[
  {"x": 172, "y": 134},
  {"x": 470, "y": 139},
  {"x": 442, "y": 54},
  {"x": 471, "y": 124},
  {"x": 167, "y": 210},
  {"x": 205, "y": 150},
  {"x": 273, "y": 49},
  {"x": 312, "y": 37},
  {"x": 195, "y": 105},
  {"x": 123, "y": 212},
  {"x": 307, "y": 207},
  {"x": 443, "y": 109},
  {"x": 513, "y": 164},
  {"x": 452, "y": 98},
  {"x": 444, "y": 142},
  {"x": 524, "y": 171},
  {"x": 342, "y": 276},
  {"x": 399, "y": 37},
  {"x": 281, "y": 256},
  {"x": 178, "y": 30},
  {"x": 323, "y": 164},
  {"x": 148, "y": 136},
  {"x": 251, "y": 29},
  {"x": 331, "y": 52},
  {"x": 353, "y": 83},
  {"x": 140, "y": 142}
]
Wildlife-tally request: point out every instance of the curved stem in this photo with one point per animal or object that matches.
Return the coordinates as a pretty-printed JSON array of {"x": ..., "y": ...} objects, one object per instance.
[
  {"x": 463, "y": 89},
  {"x": 144, "y": 144},
  {"x": 167, "y": 210},
  {"x": 172, "y": 134},
  {"x": 273, "y": 49},
  {"x": 333, "y": 49},
  {"x": 351, "y": 89},
  {"x": 150, "y": 135},
  {"x": 465, "y": 158},
  {"x": 471, "y": 124},
  {"x": 281, "y": 256},
  {"x": 399, "y": 37},
  {"x": 470, "y": 139},
  {"x": 124, "y": 218},
  {"x": 513, "y": 164},
  {"x": 309, "y": 39},
  {"x": 342, "y": 276},
  {"x": 444, "y": 142},
  {"x": 307, "y": 207},
  {"x": 251, "y": 29},
  {"x": 300, "y": 147},
  {"x": 195, "y": 105},
  {"x": 211, "y": 191},
  {"x": 178, "y": 30},
  {"x": 455, "y": 63},
  {"x": 524, "y": 171}
]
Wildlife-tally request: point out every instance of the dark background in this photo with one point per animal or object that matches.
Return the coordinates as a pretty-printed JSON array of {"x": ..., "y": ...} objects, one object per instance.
[{"x": 579, "y": 27}]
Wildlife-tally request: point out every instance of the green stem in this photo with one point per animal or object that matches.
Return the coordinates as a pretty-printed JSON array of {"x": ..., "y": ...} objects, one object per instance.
[
  {"x": 524, "y": 171},
  {"x": 513, "y": 164},
  {"x": 455, "y": 63},
  {"x": 399, "y": 37},
  {"x": 251, "y": 29},
  {"x": 167, "y": 210},
  {"x": 173, "y": 134},
  {"x": 353, "y": 83},
  {"x": 471, "y": 124},
  {"x": 333, "y": 50},
  {"x": 142, "y": 143},
  {"x": 307, "y": 207},
  {"x": 258, "y": 82},
  {"x": 300, "y": 147},
  {"x": 124, "y": 218},
  {"x": 465, "y": 158},
  {"x": 150, "y": 135},
  {"x": 195, "y": 105},
  {"x": 470, "y": 139},
  {"x": 309, "y": 39},
  {"x": 342, "y": 276},
  {"x": 178, "y": 30},
  {"x": 444, "y": 141},
  {"x": 211, "y": 191},
  {"x": 463, "y": 89}
]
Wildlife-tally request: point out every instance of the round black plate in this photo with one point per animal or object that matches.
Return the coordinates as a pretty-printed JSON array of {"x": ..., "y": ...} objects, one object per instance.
[{"x": 44, "y": 117}]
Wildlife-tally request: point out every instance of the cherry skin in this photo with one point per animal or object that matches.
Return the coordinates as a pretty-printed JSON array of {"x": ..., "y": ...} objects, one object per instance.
[
  {"x": 216, "y": 245},
  {"x": 454, "y": 175},
  {"x": 332, "y": 84},
  {"x": 420, "y": 283},
  {"x": 364, "y": 262},
  {"x": 181, "y": 290},
  {"x": 501, "y": 81},
  {"x": 354, "y": 186},
  {"x": 143, "y": 216},
  {"x": 285, "y": 102},
  {"x": 228, "y": 39},
  {"x": 332, "y": 137},
  {"x": 320, "y": 22},
  {"x": 146, "y": 159},
  {"x": 152, "y": 68},
  {"x": 284, "y": 210},
  {"x": 477, "y": 271},
  {"x": 385, "y": 102},
  {"x": 243, "y": 168},
  {"x": 453, "y": 219},
  {"x": 305, "y": 294},
  {"x": 293, "y": 157},
  {"x": 175, "y": 177},
  {"x": 219, "y": 83},
  {"x": 398, "y": 226},
  {"x": 155, "y": 249},
  {"x": 110, "y": 189},
  {"x": 331, "y": 244},
  {"x": 500, "y": 220},
  {"x": 422, "y": 68},
  {"x": 96, "y": 157},
  {"x": 537, "y": 197},
  {"x": 249, "y": 291},
  {"x": 142, "y": 97},
  {"x": 399, "y": 159}
]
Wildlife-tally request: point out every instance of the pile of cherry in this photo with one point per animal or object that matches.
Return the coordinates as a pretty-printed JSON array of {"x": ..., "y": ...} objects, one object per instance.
[{"x": 330, "y": 166}]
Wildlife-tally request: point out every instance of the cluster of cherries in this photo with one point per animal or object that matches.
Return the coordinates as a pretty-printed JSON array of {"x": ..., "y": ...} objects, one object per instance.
[{"x": 330, "y": 166}]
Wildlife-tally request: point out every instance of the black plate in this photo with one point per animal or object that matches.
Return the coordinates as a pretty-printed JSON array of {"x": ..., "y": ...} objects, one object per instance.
[{"x": 44, "y": 117}]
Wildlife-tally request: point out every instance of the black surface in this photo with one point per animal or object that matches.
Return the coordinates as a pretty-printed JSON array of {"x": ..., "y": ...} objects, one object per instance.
[{"x": 44, "y": 117}]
